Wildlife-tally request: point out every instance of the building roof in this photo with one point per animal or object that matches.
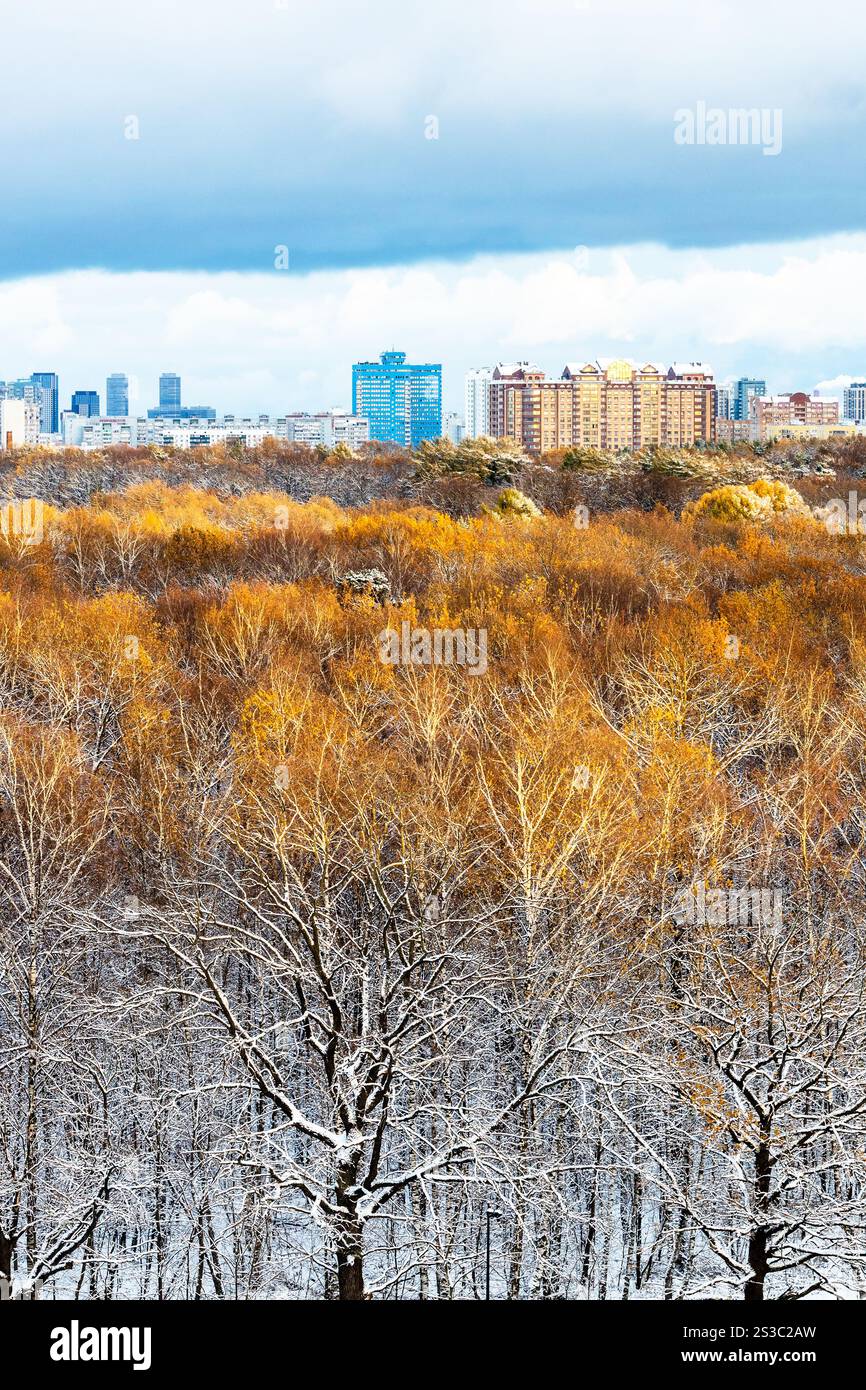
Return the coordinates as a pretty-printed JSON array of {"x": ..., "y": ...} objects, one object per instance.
[{"x": 691, "y": 368}]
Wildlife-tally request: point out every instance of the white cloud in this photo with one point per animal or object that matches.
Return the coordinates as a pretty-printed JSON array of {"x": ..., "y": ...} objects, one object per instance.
[
  {"x": 835, "y": 386},
  {"x": 282, "y": 341}
]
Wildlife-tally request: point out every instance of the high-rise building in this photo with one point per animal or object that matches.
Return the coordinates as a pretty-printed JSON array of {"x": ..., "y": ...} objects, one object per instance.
[
  {"x": 117, "y": 394},
  {"x": 687, "y": 412},
  {"x": 85, "y": 402},
  {"x": 610, "y": 404},
  {"x": 453, "y": 428},
  {"x": 742, "y": 392},
  {"x": 723, "y": 403},
  {"x": 22, "y": 390},
  {"x": 768, "y": 413},
  {"x": 169, "y": 393},
  {"x": 854, "y": 402},
  {"x": 402, "y": 400},
  {"x": 50, "y": 400},
  {"x": 476, "y": 414},
  {"x": 514, "y": 399}
]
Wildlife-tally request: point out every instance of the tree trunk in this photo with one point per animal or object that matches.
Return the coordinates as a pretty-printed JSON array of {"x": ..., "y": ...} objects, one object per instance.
[
  {"x": 350, "y": 1237},
  {"x": 6, "y": 1248},
  {"x": 31, "y": 1136},
  {"x": 758, "y": 1239},
  {"x": 350, "y": 1262}
]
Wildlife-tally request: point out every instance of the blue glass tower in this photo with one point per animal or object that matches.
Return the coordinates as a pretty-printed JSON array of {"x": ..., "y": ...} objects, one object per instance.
[
  {"x": 402, "y": 400},
  {"x": 117, "y": 394},
  {"x": 50, "y": 411},
  {"x": 182, "y": 412},
  {"x": 169, "y": 393},
  {"x": 85, "y": 402},
  {"x": 742, "y": 392}
]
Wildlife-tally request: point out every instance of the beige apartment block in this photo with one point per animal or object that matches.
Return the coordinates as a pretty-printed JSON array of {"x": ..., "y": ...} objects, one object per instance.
[{"x": 607, "y": 404}]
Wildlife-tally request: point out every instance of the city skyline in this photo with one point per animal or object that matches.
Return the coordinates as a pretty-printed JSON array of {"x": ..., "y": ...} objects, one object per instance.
[
  {"x": 126, "y": 389},
  {"x": 614, "y": 404}
]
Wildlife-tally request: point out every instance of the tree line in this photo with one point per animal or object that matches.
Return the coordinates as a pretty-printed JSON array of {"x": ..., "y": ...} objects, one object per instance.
[{"x": 314, "y": 966}]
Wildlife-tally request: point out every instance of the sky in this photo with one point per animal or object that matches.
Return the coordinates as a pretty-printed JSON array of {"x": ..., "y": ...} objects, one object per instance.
[{"x": 466, "y": 181}]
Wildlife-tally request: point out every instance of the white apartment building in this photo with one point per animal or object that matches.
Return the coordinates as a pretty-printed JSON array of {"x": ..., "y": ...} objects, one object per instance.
[
  {"x": 329, "y": 428},
  {"x": 192, "y": 436},
  {"x": 854, "y": 402},
  {"x": 102, "y": 431},
  {"x": 20, "y": 423},
  {"x": 476, "y": 415},
  {"x": 724, "y": 403}
]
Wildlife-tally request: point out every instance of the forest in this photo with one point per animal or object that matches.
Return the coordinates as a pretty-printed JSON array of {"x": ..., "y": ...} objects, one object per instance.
[{"x": 316, "y": 968}]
